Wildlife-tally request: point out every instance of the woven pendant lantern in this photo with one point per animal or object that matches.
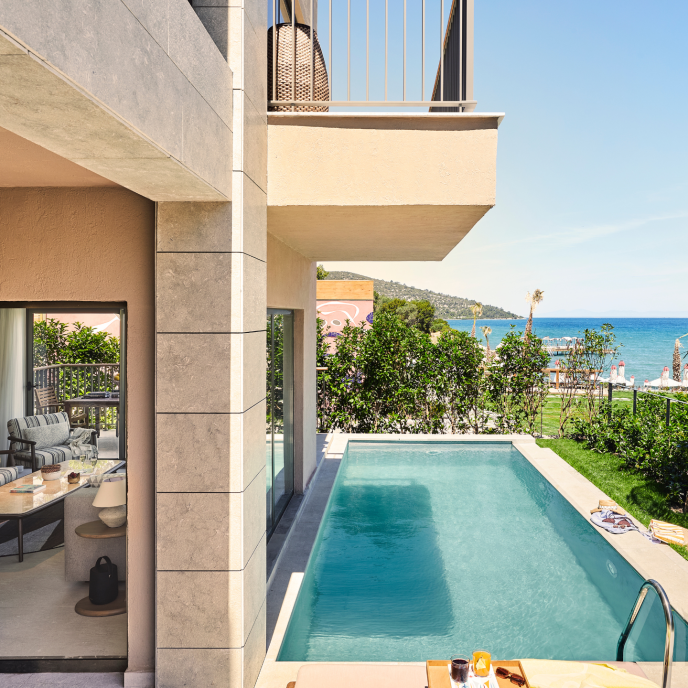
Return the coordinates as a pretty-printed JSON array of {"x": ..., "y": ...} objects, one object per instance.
[{"x": 285, "y": 61}]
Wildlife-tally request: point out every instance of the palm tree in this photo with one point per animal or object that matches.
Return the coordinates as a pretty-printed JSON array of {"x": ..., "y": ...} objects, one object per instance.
[
  {"x": 477, "y": 310},
  {"x": 677, "y": 359},
  {"x": 534, "y": 300},
  {"x": 487, "y": 331}
]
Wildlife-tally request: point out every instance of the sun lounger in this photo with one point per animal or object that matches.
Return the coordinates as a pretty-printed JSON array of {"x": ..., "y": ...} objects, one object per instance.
[{"x": 360, "y": 676}]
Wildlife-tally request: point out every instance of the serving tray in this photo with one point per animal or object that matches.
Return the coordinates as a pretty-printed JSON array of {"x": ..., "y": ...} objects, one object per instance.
[{"x": 438, "y": 673}]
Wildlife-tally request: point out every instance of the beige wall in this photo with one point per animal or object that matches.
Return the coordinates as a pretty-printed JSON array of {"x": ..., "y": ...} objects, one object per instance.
[
  {"x": 379, "y": 186},
  {"x": 97, "y": 245},
  {"x": 292, "y": 284}
]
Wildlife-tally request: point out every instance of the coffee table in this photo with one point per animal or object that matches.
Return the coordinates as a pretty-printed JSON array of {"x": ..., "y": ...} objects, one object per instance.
[{"x": 19, "y": 506}]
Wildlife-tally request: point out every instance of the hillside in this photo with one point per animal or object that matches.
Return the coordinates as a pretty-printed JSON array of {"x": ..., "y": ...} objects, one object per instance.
[{"x": 447, "y": 307}]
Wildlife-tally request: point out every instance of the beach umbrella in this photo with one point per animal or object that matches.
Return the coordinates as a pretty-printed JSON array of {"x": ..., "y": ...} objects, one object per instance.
[
  {"x": 622, "y": 369},
  {"x": 613, "y": 375},
  {"x": 664, "y": 380},
  {"x": 631, "y": 383},
  {"x": 671, "y": 383},
  {"x": 647, "y": 383}
]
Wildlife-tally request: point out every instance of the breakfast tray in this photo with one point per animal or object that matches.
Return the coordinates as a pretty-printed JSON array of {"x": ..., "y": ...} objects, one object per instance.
[{"x": 438, "y": 673}]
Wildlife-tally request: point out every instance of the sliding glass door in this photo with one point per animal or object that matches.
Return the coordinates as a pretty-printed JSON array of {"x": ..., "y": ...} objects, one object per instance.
[{"x": 279, "y": 414}]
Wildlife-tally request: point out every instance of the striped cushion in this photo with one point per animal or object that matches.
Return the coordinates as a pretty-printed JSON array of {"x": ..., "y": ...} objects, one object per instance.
[
  {"x": 16, "y": 425},
  {"x": 7, "y": 475},
  {"x": 44, "y": 456}
]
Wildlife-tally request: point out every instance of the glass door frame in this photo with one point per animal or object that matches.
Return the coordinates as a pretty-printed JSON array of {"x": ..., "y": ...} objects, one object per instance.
[
  {"x": 72, "y": 307},
  {"x": 276, "y": 516}
]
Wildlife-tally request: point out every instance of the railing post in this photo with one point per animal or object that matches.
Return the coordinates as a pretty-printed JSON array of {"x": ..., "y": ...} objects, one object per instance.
[
  {"x": 610, "y": 392},
  {"x": 668, "y": 412},
  {"x": 467, "y": 93},
  {"x": 635, "y": 401}
]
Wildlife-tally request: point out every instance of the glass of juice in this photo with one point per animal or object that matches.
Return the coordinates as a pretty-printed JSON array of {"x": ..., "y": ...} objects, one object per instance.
[
  {"x": 481, "y": 663},
  {"x": 459, "y": 669}
]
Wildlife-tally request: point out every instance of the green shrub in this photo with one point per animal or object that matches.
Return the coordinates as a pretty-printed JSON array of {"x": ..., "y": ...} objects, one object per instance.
[
  {"x": 392, "y": 378},
  {"x": 53, "y": 344},
  {"x": 644, "y": 441}
]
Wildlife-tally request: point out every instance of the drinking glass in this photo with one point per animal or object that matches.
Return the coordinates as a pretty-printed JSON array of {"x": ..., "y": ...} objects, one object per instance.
[
  {"x": 459, "y": 669},
  {"x": 481, "y": 663}
]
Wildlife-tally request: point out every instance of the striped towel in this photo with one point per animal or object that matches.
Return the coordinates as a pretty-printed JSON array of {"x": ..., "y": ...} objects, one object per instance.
[{"x": 667, "y": 532}]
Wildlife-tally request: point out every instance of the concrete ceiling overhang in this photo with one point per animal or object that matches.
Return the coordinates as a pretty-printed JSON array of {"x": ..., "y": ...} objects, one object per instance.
[
  {"x": 379, "y": 186},
  {"x": 45, "y": 107},
  {"x": 23, "y": 163}
]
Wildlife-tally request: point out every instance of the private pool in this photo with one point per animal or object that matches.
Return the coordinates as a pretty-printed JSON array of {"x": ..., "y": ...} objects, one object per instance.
[{"x": 428, "y": 549}]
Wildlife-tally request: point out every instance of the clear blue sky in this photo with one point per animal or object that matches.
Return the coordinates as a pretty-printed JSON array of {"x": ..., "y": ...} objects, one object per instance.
[{"x": 592, "y": 171}]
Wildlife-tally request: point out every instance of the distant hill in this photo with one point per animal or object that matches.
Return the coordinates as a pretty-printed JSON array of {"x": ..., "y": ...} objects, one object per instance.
[{"x": 446, "y": 306}]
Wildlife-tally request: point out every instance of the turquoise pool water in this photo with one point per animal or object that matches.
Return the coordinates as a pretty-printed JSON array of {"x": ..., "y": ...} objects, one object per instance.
[{"x": 432, "y": 549}]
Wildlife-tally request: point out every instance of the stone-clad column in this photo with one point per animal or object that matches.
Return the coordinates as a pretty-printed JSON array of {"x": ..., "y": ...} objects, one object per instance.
[
  {"x": 210, "y": 450},
  {"x": 239, "y": 30}
]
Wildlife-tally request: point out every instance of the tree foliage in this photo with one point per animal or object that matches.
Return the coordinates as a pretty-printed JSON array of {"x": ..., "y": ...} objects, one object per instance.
[
  {"x": 392, "y": 378},
  {"x": 418, "y": 314},
  {"x": 580, "y": 390},
  {"x": 54, "y": 342}
]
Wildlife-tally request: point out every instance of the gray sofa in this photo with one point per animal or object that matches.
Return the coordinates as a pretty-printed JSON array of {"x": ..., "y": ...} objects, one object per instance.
[{"x": 36, "y": 441}]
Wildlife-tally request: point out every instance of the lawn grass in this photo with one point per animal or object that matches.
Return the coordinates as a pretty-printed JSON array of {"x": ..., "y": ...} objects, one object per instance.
[
  {"x": 642, "y": 498},
  {"x": 552, "y": 409}
]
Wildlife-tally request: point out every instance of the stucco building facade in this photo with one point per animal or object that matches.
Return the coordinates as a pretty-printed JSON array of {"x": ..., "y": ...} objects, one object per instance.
[{"x": 142, "y": 169}]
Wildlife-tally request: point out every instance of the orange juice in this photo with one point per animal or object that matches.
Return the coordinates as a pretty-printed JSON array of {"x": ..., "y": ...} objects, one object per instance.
[{"x": 481, "y": 663}]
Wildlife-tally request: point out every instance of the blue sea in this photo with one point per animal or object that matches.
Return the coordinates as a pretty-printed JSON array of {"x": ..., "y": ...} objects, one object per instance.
[{"x": 648, "y": 343}]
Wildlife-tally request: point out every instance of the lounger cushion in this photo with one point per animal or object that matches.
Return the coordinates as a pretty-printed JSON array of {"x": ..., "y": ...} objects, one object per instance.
[{"x": 361, "y": 676}]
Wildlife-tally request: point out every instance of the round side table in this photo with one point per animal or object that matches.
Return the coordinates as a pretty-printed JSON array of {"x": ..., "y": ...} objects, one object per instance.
[{"x": 97, "y": 530}]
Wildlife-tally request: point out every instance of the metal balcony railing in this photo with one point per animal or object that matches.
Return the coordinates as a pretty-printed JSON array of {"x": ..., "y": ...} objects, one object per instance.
[
  {"x": 295, "y": 61},
  {"x": 72, "y": 380}
]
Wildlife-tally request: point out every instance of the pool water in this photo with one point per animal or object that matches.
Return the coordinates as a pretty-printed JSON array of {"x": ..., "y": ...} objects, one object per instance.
[{"x": 433, "y": 549}]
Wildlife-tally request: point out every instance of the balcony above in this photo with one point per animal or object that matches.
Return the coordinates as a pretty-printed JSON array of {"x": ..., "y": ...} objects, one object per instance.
[{"x": 379, "y": 186}]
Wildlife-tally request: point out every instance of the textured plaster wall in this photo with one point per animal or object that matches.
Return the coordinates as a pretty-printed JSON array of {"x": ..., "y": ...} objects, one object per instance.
[
  {"x": 292, "y": 284},
  {"x": 98, "y": 245}
]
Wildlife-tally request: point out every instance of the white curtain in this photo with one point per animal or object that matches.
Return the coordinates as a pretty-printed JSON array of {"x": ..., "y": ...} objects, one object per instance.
[{"x": 12, "y": 368}]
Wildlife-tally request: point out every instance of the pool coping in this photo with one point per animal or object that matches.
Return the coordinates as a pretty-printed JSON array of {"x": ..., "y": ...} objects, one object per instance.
[{"x": 648, "y": 559}]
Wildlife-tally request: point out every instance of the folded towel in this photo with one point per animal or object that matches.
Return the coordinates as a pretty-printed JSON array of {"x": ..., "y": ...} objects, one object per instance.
[
  {"x": 667, "y": 532},
  {"x": 547, "y": 673},
  {"x": 614, "y": 523}
]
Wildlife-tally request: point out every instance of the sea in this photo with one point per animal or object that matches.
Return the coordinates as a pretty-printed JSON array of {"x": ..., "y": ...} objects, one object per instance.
[{"x": 647, "y": 344}]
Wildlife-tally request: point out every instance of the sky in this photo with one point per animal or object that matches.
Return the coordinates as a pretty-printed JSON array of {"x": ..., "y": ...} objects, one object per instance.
[{"x": 592, "y": 163}]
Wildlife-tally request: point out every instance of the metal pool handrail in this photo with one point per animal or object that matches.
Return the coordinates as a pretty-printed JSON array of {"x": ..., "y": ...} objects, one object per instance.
[{"x": 669, "y": 643}]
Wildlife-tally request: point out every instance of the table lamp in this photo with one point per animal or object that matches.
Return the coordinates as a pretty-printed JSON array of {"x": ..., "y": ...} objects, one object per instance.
[{"x": 113, "y": 496}]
